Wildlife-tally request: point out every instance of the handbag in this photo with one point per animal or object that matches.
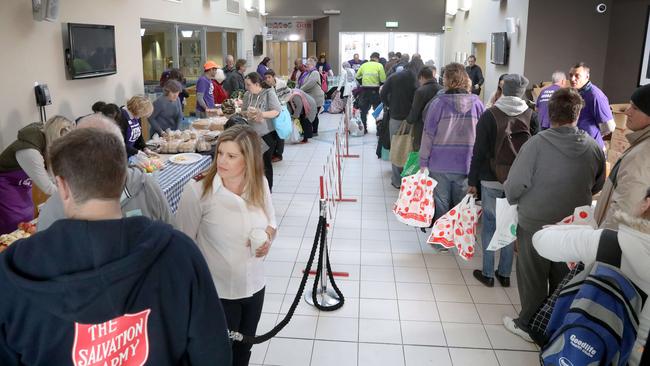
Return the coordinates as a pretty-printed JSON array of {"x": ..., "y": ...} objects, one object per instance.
[
  {"x": 282, "y": 123},
  {"x": 400, "y": 145}
]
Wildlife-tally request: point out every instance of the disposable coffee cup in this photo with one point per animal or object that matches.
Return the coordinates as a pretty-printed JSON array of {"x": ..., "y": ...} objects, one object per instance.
[{"x": 257, "y": 237}]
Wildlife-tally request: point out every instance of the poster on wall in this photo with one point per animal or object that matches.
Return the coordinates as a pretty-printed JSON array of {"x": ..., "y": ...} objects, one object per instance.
[{"x": 644, "y": 73}]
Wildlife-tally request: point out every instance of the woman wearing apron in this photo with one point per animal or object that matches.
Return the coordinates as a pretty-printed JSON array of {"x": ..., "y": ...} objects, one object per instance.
[{"x": 23, "y": 163}]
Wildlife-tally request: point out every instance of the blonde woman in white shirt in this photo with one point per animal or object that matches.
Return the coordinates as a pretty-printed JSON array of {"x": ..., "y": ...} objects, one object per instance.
[{"x": 219, "y": 212}]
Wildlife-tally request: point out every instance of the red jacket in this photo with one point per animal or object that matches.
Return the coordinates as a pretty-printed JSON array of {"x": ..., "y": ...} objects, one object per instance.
[{"x": 220, "y": 94}]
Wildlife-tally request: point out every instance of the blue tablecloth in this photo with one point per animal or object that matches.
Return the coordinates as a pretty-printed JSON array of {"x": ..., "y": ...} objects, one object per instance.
[{"x": 173, "y": 178}]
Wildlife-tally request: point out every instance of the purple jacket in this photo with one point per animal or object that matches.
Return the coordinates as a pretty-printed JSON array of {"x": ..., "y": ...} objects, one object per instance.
[
  {"x": 261, "y": 69},
  {"x": 450, "y": 132}
]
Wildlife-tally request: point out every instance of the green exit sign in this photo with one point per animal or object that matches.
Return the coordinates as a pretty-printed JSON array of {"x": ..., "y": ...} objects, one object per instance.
[{"x": 392, "y": 24}]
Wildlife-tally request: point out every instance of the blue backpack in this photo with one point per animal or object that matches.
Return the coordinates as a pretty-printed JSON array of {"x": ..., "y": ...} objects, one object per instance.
[{"x": 595, "y": 319}]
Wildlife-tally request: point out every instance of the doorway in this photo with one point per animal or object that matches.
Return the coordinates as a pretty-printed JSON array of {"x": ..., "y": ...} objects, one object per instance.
[{"x": 480, "y": 51}]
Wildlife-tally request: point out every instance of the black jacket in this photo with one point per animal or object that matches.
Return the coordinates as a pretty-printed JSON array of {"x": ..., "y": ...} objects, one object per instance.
[
  {"x": 397, "y": 94},
  {"x": 422, "y": 96},
  {"x": 95, "y": 290},
  {"x": 234, "y": 81},
  {"x": 476, "y": 75},
  {"x": 486, "y": 135}
]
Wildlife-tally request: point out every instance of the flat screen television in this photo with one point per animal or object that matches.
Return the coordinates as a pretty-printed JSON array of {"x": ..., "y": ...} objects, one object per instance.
[
  {"x": 258, "y": 45},
  {"x": 500, "y": 48},
  {"x": 91, "y": 50}
]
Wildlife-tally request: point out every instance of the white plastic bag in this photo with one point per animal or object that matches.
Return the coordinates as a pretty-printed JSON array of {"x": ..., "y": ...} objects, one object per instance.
[
  {"x": 415, "y": 205},
  {"x": 296, "y": 133},
  {"x": 506, "y": 225},
  {"x": 457, "y": 228}
]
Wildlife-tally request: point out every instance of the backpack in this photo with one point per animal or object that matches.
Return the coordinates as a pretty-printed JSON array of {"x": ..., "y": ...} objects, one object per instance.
[
  {"x": 596, "y": 316},
  {"x": 512, "y": 133}
]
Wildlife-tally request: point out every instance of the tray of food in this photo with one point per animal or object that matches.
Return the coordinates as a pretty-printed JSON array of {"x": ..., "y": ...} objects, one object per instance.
[
  {"x": 185, "y": 158},
  {"x": 25, "y": 230}
]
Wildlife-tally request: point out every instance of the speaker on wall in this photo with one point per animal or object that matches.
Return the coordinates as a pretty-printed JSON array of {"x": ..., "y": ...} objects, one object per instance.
[{"x": 45, "y": 10}]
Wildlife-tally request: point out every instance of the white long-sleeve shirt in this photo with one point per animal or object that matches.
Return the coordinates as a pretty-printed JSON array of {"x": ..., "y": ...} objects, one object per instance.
[
  {"x": 32, "y": 163},
  {"x": 220, "y": 224},
  {"x": 575, "y": 243}
]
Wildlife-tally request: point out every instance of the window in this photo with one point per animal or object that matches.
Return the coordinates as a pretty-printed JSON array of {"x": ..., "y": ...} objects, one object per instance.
[
  {"x": 428, "y": 45},
  {"x": 375, "y": 42}
]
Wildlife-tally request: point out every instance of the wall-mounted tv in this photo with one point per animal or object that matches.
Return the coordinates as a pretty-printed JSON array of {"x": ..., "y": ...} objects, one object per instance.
[
  {"x": 500, "y": 49},
  {"x": 258, "y": 45},
  {"x": 90, "y": 50}
]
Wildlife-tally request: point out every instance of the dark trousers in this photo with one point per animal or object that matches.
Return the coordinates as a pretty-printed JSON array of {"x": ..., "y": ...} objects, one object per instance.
[
  {"x": 306, "y": 128},
  {"x": 314, "y": 125},
  {"x": 242, "y": 315},
  {"x": 537, "y": 277},
  {"x": 271, "y": 139},
  {"x": 369, "y": 98},
  {"x": 279, "y": 148}
]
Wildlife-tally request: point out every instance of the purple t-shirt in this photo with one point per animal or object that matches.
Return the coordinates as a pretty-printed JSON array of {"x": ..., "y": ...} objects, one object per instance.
[
  {"x": 133, "y": 129},
  {"x": 204, "y": 85},
  {"x": 542, "y": 105},
  {"x": 595, "y": 112}
]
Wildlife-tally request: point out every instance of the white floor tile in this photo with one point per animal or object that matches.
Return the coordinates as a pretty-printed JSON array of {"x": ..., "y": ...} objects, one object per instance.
[
  {"x": 503, "y": 339},
  {"x": 377, "y": 290},
  {"x": 440, "y": 261},
  {"x": 344, "y": 257},
  {"x": 338, "y": 329},
  {"x": 451, "y": 293},
  {"x": 413, "y": 275},
  {"x": 493, "y": 314},
  {"x": 426, "y": 356},
  {"x": 488, "y": 295},
  {"x": 380, "y": 354},
  {"x": 289, "y": 352},
  {"x": 446, "y": 276},
  {"x": 418, "y": 310},
  {"x": 376, "y": 259},
  {"x": 300, "y": 326},
  {"x": 414, "y": 291},
  {"x": 375, "y": 246},
  {"x": 473, "y": 357},
  {"x": 258, "y": 352},
  {"x": 456, "y": 312},
  {"x": 466, "y": 335},
  {"x": 378, "y": 309},
  {"x": 350, "y": 309},
  {"x": 377, "y": 273},
  {"x": 408, "y": 260},
  {"x": 380, "y": 331},
  {"x": 282, "y": 255},
  {"x": 272, "y": 303},
  {"x": 423, "y": 333},
  {"x": 276, "y": 285},
  {"x": 328, "y": 353},
  {"x": 277, "y": 269},
  {"x": 517, "y": 358}
]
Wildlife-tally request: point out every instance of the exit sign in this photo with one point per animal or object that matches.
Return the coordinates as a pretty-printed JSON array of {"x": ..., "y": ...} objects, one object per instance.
[{"x": 392, "y": 24}]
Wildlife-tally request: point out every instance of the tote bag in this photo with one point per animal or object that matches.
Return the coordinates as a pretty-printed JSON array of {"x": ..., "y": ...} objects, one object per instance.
[{"x": 282, "y": 123}]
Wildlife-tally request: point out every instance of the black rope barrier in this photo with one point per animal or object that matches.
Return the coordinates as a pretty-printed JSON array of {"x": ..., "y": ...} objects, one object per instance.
[{"x": 320, "y": 244}]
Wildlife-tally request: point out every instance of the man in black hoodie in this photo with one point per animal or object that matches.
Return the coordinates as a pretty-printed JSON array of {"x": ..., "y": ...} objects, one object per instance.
[
  {"x": 428, "y": 89},
  {"x": 397, "y": 97},
  {"x": 99, "y": 289}
]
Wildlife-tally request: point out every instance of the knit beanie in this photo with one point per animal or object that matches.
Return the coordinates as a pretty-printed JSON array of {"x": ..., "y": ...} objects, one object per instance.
[
  {"x": 641, "y": 99},
  {"x": 514, "y": 85}
]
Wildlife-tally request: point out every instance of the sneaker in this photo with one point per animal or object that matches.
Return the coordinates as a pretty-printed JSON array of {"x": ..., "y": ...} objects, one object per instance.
[
  {"x": 275, "y": 159},
  {"x": 487, "y": 281},
  {"x": 513, "y": 328},
  {"x": 394, "y": 186},
  {"x": 504, "y": 281}
]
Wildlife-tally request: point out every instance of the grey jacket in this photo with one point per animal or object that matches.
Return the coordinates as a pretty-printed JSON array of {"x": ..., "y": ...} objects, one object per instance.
[
  {"x": 265, "y": 101},
  {"x": 555, "y": 171},
  {"x": 312, "y": 86},
  {"x": 142, "y": 196}
]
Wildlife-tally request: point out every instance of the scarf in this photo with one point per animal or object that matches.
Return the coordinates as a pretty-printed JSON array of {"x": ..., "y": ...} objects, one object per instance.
[
  {"x": 305, "y": 103},
  {"x": 512, "y": 106}
]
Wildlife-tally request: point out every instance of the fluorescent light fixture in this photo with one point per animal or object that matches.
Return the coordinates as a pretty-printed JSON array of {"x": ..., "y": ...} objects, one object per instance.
[
  {"x": 294, "y": 37},
  {"x": 331, "y": 12},
  {"x": 464, "y": 5},
  {"x": 142, "y": 30},
  {"x": 187, "y": 33}
]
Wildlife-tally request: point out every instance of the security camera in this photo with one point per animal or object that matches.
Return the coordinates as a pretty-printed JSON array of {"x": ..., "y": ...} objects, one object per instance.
[{"x": 601, "y": 8}]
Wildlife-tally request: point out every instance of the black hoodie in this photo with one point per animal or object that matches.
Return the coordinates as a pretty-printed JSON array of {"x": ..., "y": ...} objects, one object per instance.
[{"x": 89, "y": 292}]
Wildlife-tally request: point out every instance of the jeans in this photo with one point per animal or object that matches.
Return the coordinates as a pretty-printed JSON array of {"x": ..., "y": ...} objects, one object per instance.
[
  {"x": 395, "y": 178},
  {"x": 243, "y": 315},
  {"x": 451, "y": 189},
  {"x": 489, "y": 200}
]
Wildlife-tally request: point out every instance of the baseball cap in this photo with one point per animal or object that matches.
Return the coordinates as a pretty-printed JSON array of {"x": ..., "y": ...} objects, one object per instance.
[{"x": 210, "y": 65}]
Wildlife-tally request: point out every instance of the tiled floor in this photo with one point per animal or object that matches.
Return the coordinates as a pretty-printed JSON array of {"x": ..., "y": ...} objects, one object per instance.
[{"x": 405, "y": 304}]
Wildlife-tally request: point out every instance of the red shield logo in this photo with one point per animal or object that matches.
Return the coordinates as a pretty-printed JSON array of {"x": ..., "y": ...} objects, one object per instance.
[{"x": 123, "y": 341}]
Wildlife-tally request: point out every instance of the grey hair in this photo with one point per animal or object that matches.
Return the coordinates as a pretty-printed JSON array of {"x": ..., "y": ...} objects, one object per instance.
[
  {"x": 229, "y": 57},
  {"x": 312, "y": 61},
  {"x": 55, "y": 127},
  {"x": 102, "y": 123},
  {"x": 558, "y": 76},
  {"x": 346, "y": 65}
]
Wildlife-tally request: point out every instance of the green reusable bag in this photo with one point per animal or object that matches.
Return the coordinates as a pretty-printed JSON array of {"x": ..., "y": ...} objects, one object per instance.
[{"x": 412, "y": 164}]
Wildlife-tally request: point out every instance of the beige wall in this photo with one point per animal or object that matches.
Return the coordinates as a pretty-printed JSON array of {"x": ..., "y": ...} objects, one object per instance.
[
  {"x": 484, "y": 18},
  {"x": 33, "y": 51}
]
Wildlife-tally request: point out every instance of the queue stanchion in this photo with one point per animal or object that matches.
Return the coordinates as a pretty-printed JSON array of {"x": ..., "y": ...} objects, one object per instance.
[
  {"x": 340, "y": 173},
  {"x": 346, "y": 119}
]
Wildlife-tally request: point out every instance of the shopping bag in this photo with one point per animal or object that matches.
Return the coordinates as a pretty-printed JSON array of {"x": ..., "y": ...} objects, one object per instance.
[
  {"x": 296, "y": 133},
  {"x": 282, "y": 123},
  {"x": 378, "y": 112},
  {"x": 583, "y": 215},
  {"x": 506, "y": 225},
  {"x": 415, "y": 205},
  {"x": 338, "y": 104},
  {"x": 457, "y": 228},
  {"x": 401, "y": 145},
  {"x": 412, "y": 164}
]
